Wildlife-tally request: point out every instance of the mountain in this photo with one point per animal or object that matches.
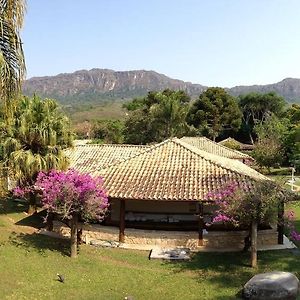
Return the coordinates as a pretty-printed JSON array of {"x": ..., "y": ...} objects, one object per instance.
[
  {"x": 98, "y": 85},
  {"x": 102, "y": 85},
  {"x": 288, "y": 88}
]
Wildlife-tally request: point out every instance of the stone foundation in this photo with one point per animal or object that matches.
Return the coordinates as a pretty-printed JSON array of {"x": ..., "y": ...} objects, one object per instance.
[{"x": 166, "y": 239}]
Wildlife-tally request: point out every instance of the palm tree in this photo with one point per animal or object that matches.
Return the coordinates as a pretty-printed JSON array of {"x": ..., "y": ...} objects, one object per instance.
[
  {"x": 35, "y": 140},
  {"x": 12, "y": 64},
  {"x": 170, "y": 115}
]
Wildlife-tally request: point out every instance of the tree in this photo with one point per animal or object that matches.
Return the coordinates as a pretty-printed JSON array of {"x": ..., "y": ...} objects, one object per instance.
[
  {"x": 269, "y": 148},
  {"x": 158, "y": 116},
  {"x": 83, "y": 130},
  {"x": 232, "y": 144},
  {"x": 169, "y": 114},
  {"x": 292, "y": 146},
  {"x": 293, "y": 114},
  {"x": 215, "y": 112},
  {"x": 109, "y": 131},
  {"x": 257, "y": 107},
  {"x": 34, "y": 141},
  {"x": 12, "y": 64},
  {"x": 72, "y": 196},
  {"x": 249, "y": 205}
]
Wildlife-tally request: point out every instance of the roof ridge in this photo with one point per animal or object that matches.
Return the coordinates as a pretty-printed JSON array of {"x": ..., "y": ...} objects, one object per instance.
[
  {"x": 147, "y": 149},
  {"x": 215, "y": 160},
  {"x": 114, "y": 145},
  {"x": 220, "y": 145}
]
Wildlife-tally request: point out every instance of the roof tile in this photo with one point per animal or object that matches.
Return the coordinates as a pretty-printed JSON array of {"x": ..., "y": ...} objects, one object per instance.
[
  {"x": 173, "y": 170},
  {"x": 208, "y": 145}
]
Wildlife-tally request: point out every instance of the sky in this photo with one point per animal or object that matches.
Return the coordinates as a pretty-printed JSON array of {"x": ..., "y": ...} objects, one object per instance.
[{"x": 210, "y": 42}]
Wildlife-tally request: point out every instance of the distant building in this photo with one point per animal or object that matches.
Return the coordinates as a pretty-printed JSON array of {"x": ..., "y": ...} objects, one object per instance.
[
  {"x": 241, "y": 146},
  {"x": 210, "y": 146}
]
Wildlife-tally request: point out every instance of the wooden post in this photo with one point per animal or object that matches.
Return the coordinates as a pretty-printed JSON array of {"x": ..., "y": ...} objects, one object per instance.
[
  {"x": 254, "y": 243},
  {"x": 201, "y": 225},
  {"x": 280, "y": 222},
  {"x": 122, "y": 222}
]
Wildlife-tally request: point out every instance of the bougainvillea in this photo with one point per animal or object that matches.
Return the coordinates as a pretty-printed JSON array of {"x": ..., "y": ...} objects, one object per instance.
[
  {"x": 248, "y": 205},
  {"x": 22, "y": 192},
  {"x": 289, "y": 218},
  {"x": 70, "y": 192},
  {"x": 239, "y": 204},
  {"x": 72, "y": 195}
]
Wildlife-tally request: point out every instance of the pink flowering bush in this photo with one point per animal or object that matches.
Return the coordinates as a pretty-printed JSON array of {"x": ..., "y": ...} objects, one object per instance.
[
  {"x": 295, "y": 235},
  {"x": 72, "y": 195},
  {"x": 70, "y": 192},
  {"x": 21, "y": 192},
  {"x": 289, "y": 218},
  {"x": 239, "y": 204},
  {"x": 248, "y": 206}
]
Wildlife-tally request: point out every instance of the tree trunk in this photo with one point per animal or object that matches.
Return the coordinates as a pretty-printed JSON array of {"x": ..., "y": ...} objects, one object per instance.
[
  {"x": 74, "y": 225},
  {"x": 280, "y": 223},
  {"x": 32, "y": 208},
  {"x": 50, "y": 219},
  {"x": 251, "y": 138},
  {"x": 254, "y": 243}
]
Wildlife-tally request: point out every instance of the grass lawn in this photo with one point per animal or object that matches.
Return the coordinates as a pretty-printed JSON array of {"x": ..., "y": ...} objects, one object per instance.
[{"x": 29, "y": 263}]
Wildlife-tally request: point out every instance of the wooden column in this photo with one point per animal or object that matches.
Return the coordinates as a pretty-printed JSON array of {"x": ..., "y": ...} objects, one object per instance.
[
  {"x": 280, "y": 223},
  {"x": 122, "y": 222},
  {"x": 201, "y": 225}
]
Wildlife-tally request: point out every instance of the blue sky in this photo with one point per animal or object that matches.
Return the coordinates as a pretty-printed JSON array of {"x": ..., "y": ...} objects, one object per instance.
[{"x": 211, "y": 42}]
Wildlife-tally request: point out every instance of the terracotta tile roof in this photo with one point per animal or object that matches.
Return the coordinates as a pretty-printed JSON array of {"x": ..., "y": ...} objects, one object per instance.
[
  {"x": 87, "y": 158},
  {"x": 208, "y": 145},
  {"x": 173, "y": 170},
  {"x": 241, "y": 145}
]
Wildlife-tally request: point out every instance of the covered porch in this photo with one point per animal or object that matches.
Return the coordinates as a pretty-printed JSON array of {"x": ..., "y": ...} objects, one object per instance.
[{"x": 183, "y": 219}]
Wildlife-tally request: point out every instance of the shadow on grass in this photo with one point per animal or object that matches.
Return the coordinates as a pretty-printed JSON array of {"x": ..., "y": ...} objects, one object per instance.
[
  {"x": 9, "y": 206},
  {"x": 40, "y": 243},
  {"x": 232, "y": 270},
  {"x": 36, "y": 220}
]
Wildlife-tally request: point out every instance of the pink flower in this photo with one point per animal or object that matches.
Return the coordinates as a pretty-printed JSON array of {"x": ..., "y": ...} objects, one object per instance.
[
  {"x": 221, "y": 218},
  {"x": 290, "y": 215}
]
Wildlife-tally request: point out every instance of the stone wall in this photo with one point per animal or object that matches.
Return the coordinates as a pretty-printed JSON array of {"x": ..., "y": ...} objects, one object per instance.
[
  {"x": 235, "y": 239},
  {"x": 213, "y": 239}
]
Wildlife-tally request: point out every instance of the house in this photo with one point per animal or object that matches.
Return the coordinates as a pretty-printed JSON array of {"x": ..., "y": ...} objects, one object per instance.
[
  {"x": 240, "y": 146},
  {"x": 210, "y": 146},
  {"x": 158, "y": 194}
]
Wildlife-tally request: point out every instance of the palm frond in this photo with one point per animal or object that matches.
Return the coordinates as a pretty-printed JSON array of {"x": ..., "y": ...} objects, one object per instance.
[{"x": 12, "y": 64}]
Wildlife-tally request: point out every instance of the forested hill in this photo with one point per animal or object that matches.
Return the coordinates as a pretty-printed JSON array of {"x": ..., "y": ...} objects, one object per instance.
[{"x": 99, "y": 85}]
